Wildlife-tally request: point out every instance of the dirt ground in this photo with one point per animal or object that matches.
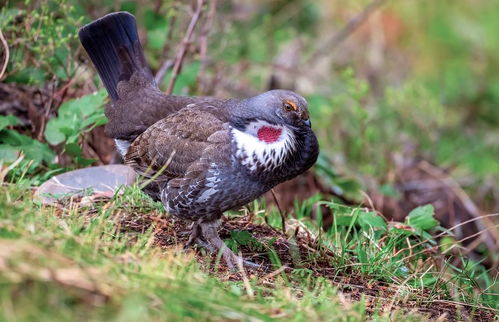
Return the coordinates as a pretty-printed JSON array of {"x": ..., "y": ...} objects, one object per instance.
[{"x": 296, "y": 252}]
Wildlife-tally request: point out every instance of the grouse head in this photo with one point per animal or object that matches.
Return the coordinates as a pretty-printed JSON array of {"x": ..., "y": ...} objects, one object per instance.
[
  {"x": 272, "y": 133},
  {"x": 277, "y": 107}
]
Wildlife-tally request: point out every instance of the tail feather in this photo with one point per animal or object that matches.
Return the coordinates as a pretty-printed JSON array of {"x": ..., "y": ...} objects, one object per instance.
[{"x": 112, "y": 42}]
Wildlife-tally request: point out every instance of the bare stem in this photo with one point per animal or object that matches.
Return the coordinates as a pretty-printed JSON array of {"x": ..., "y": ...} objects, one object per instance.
[
  {"x": 183, "y": 46},
  {"x": 167, "y": 63},
  {"x": 7, "y": 54},
  {"x": 283, "y": 217},
  {"x": 332, "y": 43},
  {"x": 203, "y": 42}
]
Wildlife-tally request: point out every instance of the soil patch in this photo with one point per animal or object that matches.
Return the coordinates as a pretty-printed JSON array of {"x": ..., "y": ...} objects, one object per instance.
[{"x": 279, "y": 254}]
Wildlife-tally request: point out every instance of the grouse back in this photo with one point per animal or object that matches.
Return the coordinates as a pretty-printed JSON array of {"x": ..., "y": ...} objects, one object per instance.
[{"x": 113, "y": 45}]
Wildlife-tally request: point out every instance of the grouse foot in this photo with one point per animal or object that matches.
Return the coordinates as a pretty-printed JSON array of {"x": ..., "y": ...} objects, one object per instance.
[{"x": 205, "y": 234}]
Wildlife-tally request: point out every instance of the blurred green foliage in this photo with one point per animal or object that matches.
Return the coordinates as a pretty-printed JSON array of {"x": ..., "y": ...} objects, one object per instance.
[
  {"x": 12, "y": 143},
  {"x": 45, "y": 40},
  {"x": 456, "y": 44},
  {"x": 442, "y": 107},
  {"x": 75, "y": 118}
]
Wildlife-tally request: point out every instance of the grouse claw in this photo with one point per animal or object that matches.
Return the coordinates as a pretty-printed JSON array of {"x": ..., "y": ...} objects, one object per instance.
[{"x": 206, "y": 235}]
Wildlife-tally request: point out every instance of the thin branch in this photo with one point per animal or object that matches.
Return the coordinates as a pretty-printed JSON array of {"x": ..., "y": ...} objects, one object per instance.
[
  {"x": 445, "y": 232},
  {"x": 492, "y": 236},
  {"x": 203, "y": 41},
  {"x": 7, "y": 54},
  {"x": 162, "y": 71},
  {"x": 168, "y": 63},
  {"x": 447, "y": 250},
  {"x": 332, "y": 43},
  {"x": 183, "y": 46},
  {"x": 283, "y": 218}
]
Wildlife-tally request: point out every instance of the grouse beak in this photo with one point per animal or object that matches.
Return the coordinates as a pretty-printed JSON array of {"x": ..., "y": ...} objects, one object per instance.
[{"x": 305, "y": 118}]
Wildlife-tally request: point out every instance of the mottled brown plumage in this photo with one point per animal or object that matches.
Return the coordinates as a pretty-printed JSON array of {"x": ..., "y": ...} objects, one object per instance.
[
  {"x": 180, "y": 141},
  {"x": 140, "y": 105},
  {"x": 207, "y": 155}
]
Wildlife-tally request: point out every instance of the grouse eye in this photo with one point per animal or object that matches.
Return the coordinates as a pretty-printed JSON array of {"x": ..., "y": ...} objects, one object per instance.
[{"x": 289, "y": 106}]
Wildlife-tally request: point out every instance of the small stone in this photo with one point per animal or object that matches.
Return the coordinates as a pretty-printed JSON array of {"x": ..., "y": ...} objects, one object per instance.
[{"x": 102, "y": 180}]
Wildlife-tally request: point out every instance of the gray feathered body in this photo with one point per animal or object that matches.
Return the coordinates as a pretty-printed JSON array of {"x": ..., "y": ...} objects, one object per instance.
[
  {"x": 208, "y": 155},
  {"x": 202, "y": 170}
]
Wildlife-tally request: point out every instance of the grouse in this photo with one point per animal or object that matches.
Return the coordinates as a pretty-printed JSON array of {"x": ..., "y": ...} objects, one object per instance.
[{"x": 203, "y": 155}]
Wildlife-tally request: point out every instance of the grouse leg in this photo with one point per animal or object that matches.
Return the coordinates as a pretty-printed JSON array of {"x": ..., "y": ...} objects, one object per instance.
[
  {"x": 210, "y": 234},
  {"x": 195, "y": 238}
]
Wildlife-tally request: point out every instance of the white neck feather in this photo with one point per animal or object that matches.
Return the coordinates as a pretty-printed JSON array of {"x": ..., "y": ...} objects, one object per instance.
[{"x": 254, "y": 152}]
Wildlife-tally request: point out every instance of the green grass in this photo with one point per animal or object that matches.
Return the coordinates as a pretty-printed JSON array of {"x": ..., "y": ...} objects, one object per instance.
[
  {"x": 84, "y": 264},
  {"x": 61, "y": 266}
]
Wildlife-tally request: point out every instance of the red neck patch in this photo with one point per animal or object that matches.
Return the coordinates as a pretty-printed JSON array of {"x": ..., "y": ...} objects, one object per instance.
[{"x": 269, "y": 134}]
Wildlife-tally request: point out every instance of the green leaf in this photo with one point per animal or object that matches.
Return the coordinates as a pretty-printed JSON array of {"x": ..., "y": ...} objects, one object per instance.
[
  {"x": 84, "y": 162},
  {"x": 13, "y": 138},
  {"x": 362, "y": 256},
  {"x": 53, "y": 134},
  {"x": 371, "y": 219},
  {"x": 242, "y": 237},
  {"x": 67, "y": 131},
  {"x": 156, "y": 38},
  {"x": 28, "y": 75},
  {"x": 8, "y": 153},
  {"x": 83, "y": 106},
  {"x": 422, "y": 218},
  {"x": 73, "y": 149},
  {"x": 75, "y": 116},
  {"x": 343, "y": 220},
  {"x": 14, "y": 142},
  {"x": 8, "y": 120},
  {"x": 94, "y": 120},
  {"x": 38, "y": 151},
  {"x": 446, "y": 243},
  {"x": 102, "y": 120}
]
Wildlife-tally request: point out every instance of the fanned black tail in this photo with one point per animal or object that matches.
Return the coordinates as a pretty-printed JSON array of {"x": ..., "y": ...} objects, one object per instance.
[{"x": 113, "y": 45}]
